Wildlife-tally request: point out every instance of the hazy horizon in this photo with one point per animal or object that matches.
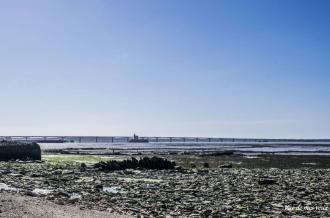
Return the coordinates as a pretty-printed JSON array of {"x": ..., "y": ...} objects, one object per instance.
[{"x": 248, "y": 69}]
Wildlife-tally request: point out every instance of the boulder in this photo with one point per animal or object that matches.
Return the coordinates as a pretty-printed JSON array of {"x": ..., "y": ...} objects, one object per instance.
[
  {"x": 10, "y": 150},
  {"x": 267, "y": 181}
]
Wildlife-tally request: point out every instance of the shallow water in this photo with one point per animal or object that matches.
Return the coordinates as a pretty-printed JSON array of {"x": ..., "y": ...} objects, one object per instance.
[{"x": 262, "y": 147}]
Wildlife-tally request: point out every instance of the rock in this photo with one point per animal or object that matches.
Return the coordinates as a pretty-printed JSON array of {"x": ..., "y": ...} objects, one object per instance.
[
  {"x": 98, "y": 185},
  {"x": 229, "y": 165},
  {"x": 56, "y": 172},
  {"x": 194, "y": 170},
  {"x": 32, "y": 194},
  {"x": 62, "y": 194},
  {"x": 178, "y": 168},
  {"x": 219, "y": 153},
  {"x": 74, "y": 198},
  {"x": 277, "y": 205},
  {"x": 59, "y": 201},
  {"x": 128, "y": 171},
  {"x": 42, "y": 192},
  {"x": 66, "y": 172},
  {"x": 267, "y": 181},
  {"x": 188, "y": 193},
  {"x": 133, "y": 163},
  {"x": 13, "y": 150},
  {"x": 33, "y": 175},
  {"x": 16, "y": 174},
  {"x": 206, "y": 213}
]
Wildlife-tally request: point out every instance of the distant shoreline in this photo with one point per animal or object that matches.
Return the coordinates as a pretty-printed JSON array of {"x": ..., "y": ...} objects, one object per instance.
[{"x": 162, "y": 139}]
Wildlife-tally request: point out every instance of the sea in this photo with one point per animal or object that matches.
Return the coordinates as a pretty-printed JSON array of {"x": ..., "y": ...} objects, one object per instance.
[{"x": 249, "y": 148}]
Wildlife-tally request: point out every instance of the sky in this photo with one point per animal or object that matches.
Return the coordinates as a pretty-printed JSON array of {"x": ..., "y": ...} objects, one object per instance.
[{"x": 215, "y": 68}]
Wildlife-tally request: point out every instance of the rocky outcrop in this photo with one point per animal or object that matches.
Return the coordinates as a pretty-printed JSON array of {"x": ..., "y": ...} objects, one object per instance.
[
  {"x": 133, "y": 163},
  {"x": 214, "y": 192},
  {"x": 21, "y": 151}
]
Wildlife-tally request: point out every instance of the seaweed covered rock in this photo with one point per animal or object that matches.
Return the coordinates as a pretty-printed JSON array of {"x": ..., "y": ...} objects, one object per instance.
[
  {"x": 133, "y": 163},
  {"x": 10, "y": 150}
]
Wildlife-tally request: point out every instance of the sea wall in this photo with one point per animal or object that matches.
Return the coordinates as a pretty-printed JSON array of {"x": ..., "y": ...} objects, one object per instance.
[{"x": 21, "y": 151}]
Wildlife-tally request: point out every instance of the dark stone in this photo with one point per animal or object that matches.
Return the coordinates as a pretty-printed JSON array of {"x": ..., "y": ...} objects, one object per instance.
[
  {"x": 11, "y": 150},
  {"x": 219, "y": 153},
  {"x": 267, "y": 181},
  {"x": 30, "y": 193},
  {"x": 133, "y": 163},
  {"x": 226, "y": 166}
]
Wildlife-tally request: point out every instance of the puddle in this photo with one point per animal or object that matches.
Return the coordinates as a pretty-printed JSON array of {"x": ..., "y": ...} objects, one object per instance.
[
  {"x": 112, "y": 189},
  {"x": 6, "y": 187},
  {"x": 86, "y": 161},
  {"x": 251, "y": 157},
  {"x": 138, "y": 180},
  {"x": 75, "y": 196},
  {"x": 40, "y": 191},
  {"x": 313, "y": 164}
]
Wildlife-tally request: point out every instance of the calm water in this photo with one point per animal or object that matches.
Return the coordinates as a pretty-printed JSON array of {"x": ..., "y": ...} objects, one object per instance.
[{"x": 293, "y": 148}]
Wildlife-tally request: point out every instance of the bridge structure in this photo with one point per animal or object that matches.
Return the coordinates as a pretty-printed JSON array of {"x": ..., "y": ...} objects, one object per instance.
[{"x": 153, "y": 139}]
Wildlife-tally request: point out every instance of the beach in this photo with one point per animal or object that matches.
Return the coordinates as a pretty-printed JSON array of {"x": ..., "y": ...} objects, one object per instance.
[
  {"x": 164, "y": 109},
  {"x": 16, "y": 205},
  {"x": 229, "y": 185}
]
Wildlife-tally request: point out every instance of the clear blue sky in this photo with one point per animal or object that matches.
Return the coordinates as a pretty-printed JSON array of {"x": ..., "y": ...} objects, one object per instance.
[{"x": 231, "y": 68}]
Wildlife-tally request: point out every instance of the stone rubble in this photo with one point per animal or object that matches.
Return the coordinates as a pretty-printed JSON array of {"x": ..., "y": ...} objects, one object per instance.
[{"x": 208, "y": 192}]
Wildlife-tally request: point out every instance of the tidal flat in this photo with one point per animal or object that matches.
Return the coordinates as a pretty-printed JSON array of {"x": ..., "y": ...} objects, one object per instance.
[{"x": 228, "y": 186}]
